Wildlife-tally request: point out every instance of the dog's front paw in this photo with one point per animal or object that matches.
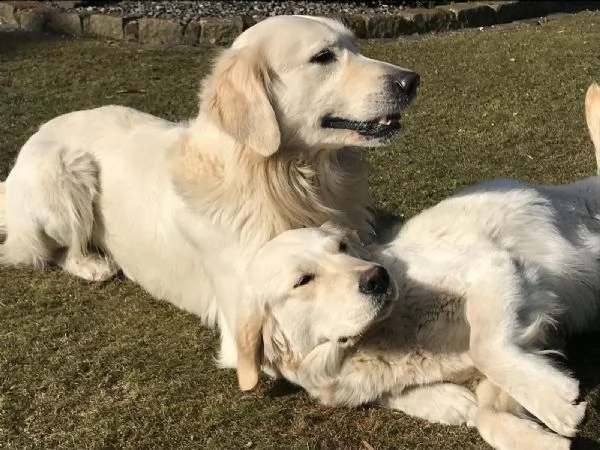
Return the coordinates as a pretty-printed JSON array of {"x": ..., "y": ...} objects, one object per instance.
[
  {"x": 90, "y": 267},
  {"x": 503, "y": 431},
  {"x": 555, "y": 404}
]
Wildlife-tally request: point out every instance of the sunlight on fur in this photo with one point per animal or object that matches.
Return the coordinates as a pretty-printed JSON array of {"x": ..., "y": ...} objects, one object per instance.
[{"x": 452, "y": 321}]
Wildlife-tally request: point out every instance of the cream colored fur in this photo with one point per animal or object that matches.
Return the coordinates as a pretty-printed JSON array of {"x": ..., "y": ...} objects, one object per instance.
[
  {"x": 181, "y": 207},
  {"x": 484, "y": 287},
  {"x": 2, "y": 220}
]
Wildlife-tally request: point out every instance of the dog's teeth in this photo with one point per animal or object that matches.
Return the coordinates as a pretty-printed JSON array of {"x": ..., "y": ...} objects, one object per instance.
[{"x": 385, "y": 120}]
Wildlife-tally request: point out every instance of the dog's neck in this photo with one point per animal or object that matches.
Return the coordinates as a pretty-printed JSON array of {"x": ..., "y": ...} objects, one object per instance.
[
  {"x": 370, "y": 370},
  {"x": 290, "y": 189}
]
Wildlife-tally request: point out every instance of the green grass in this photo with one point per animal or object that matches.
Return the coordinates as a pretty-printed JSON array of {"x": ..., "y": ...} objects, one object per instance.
[{"x": 106, "y": 366}]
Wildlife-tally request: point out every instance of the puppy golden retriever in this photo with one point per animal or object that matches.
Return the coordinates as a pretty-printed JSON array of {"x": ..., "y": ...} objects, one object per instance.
[
  {"x": 180, "y": 207},
  {"x": 477, "y": 292}
]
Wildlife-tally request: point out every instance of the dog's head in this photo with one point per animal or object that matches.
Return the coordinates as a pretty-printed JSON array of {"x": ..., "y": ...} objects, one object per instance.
[
  {"x": 312, "y": 293},
  {"x": 301, "y": 82}
]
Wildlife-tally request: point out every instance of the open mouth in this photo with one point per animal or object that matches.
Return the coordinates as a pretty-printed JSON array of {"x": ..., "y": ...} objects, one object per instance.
[{"x": 378, "y": 128}]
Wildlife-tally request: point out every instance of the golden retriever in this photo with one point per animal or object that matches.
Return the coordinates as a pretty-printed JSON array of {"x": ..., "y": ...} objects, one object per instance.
[
  {"x": 180, "y": 207},
  {"x": 474, "y": 292}
]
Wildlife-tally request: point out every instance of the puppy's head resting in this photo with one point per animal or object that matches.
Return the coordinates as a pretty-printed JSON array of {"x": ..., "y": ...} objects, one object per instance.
[
  {"x": 297, "y": 82},
  {"x": 312, "y": 292}
]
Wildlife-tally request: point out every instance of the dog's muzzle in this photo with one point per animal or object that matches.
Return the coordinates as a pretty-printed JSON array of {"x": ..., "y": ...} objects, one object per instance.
[{"x": 401, "y": 89}]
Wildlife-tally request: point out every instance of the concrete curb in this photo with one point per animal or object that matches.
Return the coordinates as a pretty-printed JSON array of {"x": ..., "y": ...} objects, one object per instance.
[{"x": 35, "y": 16}]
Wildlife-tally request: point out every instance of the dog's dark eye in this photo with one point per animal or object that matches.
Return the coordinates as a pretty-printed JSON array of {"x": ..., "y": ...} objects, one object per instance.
[
  {"x": 325, "y": 56},
  {"x": 343, "y": 247},
  {"x": 305, "y": 279}
]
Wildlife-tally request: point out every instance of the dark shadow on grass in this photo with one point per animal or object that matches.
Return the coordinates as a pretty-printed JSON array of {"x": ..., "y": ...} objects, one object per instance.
[
  {"x": 282, "y": 388},
  {"x": 584, "y": 360},
  {"x": 583, "y": 443},
  {"x": 386, "y": 224},
  {"x": 14, "y": 41}
]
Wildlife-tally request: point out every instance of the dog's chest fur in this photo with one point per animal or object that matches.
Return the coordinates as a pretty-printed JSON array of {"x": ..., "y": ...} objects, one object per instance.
[{"x": 275, "y": 194}]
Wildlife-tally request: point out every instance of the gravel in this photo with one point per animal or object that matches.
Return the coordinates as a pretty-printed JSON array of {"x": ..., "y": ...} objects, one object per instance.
[{"x": 187, "y": 11}]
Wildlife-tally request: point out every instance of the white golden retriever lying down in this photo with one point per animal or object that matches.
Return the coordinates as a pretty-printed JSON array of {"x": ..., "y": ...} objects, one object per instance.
[
  {"x": 180, "y": 207},
  {"x": 476, "y": 290}
]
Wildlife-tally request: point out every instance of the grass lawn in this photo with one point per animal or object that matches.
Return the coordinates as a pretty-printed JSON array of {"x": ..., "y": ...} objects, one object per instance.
[{"x": 106, "y": 366}]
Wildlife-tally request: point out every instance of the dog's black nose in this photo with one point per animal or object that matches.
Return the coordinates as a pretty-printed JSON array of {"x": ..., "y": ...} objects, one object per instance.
[
  {"x": 374, "y": 281},
  {"x": 407, "y": 82}
]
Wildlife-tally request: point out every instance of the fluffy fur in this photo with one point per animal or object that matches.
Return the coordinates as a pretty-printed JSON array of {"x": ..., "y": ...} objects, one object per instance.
[
  {"x": 180, "y": 208},
  {"x": 484, "y": 286}
]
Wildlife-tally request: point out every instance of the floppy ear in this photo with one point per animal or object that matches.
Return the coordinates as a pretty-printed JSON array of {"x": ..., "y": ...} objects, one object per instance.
[
  {"x": 236, "y": 97},
  {"x": 359, "y": 249},
  {"x": 333, "y": 226},
  {"x": 322, "y": 364},
  {"x": 337, "y": 228},
  {"x": 592, "y": 117},
  {"x": 248, "y": 337}
]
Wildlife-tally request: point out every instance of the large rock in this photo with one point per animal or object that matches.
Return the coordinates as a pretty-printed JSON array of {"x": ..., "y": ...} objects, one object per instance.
[
  {"x": 101, "y": 25},
  {"x": 68, "y": 4},
  {"x": 7, "y": 15},
  {"x": 220, "y": 31},
  {"x": 191, "y": 34},
  {"x": 160, "y": 31},
  {"x": 131, "y": 30},
  {"x": 424, "y": 20},
  {"x": 384, "y": 26},
  {"x": 509, "y": 11},
  {"x": 65, "y": 23},
  {"x": 472, "y": 14},
  {"x": 32, "y": 19}
]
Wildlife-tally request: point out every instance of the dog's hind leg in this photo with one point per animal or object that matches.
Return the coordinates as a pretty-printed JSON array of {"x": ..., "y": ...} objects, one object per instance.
[
  {"x": 81, "y": 191},
  {"x": 503, "y": 430},
  {"x": 494, "y": 297},
  {"x": 49, "y": 211},
  {"x": 445, "y": 403}
]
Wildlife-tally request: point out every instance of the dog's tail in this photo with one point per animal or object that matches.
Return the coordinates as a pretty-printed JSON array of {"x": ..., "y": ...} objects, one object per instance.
[
  {"x": 2, "y": 219},
  {"x": 592, "y": 117}
]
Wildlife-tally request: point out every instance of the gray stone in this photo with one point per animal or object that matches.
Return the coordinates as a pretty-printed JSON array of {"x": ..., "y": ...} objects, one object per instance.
[
  {"x": 509, "y": 11},
  {"x": 423, "y": 20},
  {"x": 191, "y": 34},
  {"x": 64, "y": 23},
  {"x": 35, "y": 16},
  {"x": 67, "y": 4},
  {"x": 160, "y": 31},
  {"x": 110, "y": 27},
  {"x": 472, "y": 14},
  {"x": 220, "y": 31},
  {"x": 388, "y": 26},
  {"x": 131, "y": 30},
  {"x": 7, "y": 15},
  {"x": 32, "y": 19}
]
